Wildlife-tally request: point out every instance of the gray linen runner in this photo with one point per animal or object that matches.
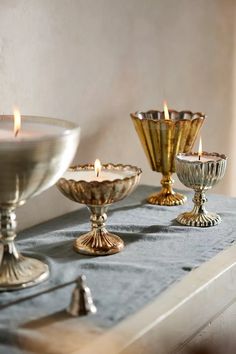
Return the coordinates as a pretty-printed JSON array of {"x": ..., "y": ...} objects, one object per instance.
[{"x": 158, "y": 253}]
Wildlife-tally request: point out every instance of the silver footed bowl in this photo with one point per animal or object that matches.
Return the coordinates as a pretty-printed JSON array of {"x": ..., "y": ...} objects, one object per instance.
[
  {"x": 97, "y": 196},
  {"x": 29, "y": 167},
  {"x": 200, "y": 177}
]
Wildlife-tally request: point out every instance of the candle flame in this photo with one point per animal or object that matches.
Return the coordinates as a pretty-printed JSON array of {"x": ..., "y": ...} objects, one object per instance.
[
  {"x": 17, "y": 122},
  {"x": 166, "y": 112},
  {"x": 97, "y": 167},
  {"x": 200, "y": 149}
]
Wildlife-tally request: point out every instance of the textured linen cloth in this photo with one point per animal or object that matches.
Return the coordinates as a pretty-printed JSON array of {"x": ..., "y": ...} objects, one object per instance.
[{"x": 158, "y": 253}]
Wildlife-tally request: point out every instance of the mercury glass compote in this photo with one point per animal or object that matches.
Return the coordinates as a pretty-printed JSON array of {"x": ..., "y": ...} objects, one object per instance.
[
  {"x": 30, "y": 163},
  {"x": 98, "y": 194},
  {"x": 200, "y": 173},
  {"x": 162, "y": 139}
]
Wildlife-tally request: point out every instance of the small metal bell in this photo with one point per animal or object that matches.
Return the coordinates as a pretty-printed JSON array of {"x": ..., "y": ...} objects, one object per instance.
[{"x": 81, "y": 300}]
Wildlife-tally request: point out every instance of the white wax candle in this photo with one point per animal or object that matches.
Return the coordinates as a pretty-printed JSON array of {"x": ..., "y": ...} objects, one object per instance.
[
  {"x": 89, "y": 175},
  {"x": 203, "y": 158},
  {"x": 28, "y": 130}
]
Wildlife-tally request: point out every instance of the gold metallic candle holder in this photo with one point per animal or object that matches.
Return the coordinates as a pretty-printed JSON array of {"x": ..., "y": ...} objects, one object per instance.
[
  {"x": 200, "y": 176},
  {"x": 28, "y": 167},
  {"x": 162, "y": 139},
  {"x": 97, "y": 196}
]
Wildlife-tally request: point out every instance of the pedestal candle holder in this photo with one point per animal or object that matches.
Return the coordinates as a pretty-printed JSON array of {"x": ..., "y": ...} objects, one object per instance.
[
  {"x": 30, "y": 163},
  {"x": 162, "y": 139},
  {"x": 98, "y": 195},
  {"x": 200, "y": 175}
]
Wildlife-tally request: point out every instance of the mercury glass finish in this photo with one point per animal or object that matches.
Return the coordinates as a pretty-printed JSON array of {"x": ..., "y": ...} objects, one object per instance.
[
  {"x": 162, "y": 139},
  {"x": 200, "y": 176},
  {"x": 98, "y": 195},
  {"x": 28, "y": 168}
]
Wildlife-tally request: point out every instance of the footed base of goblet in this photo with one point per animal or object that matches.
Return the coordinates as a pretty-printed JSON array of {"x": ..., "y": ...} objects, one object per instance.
[
  {"x": 21, "y": 272},
  {"x": 168, "y": 199},
  {"x": 98, "y": 243},
  {"x": 199, "y": 220}
]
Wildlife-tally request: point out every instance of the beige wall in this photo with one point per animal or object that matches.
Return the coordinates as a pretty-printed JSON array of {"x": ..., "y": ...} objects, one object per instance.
[{"x": 95, "y": 61}]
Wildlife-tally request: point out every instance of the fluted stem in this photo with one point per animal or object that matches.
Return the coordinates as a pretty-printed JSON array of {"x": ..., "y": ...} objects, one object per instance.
[
  {"x": 98, "y": 241},
  {"x": 167, "y": 196},
  {"x": 167, "y": 182},
  {"x": 8, "y": 233},
  {"x": 16, "y": 271},
  {"x": 199, "y": 201},
  {"x": 98, "y": 219},
  {"x": 199, "y": 216}
]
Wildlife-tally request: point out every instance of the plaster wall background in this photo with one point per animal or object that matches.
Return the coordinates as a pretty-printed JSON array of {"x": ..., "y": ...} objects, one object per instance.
[{"x": 95, "y": 61}]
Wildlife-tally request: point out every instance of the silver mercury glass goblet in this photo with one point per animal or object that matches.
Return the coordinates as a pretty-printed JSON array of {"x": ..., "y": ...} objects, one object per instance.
[
  {"x": 200, "y": 175},
  {"x": 29, "y": 167}
]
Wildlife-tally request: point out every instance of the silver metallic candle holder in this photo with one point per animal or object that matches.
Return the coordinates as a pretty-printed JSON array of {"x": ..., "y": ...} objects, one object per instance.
[
  {"x": 200, "y": 176},
  {"x": 28, "y": 167},
  {"x": 97, "y": 196}
]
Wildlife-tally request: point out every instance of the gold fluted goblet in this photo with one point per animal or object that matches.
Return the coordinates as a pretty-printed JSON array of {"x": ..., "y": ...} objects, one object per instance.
[
  {"x": 200, "y": 173},
  {"x": 32, "y": 161},
  {"x": 98, "y": 191},
  {"x": 162, "y": 138}
]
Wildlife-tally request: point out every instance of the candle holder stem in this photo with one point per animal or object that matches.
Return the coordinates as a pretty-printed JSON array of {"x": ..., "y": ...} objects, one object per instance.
[
  {"x": 98, "y": 241},
  {"x": 199, "y": 216},
  {"x": 199, "y": 201},
  {"x": 98, "y": 219},
  {"x": 16, "y": 271},
  {"x": 167, "y": 196}
]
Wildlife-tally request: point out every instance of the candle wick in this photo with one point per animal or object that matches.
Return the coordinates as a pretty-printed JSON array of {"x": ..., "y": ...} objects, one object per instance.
[
  {"x": 97, "y": 173},
  {"x": 16, "y": 132},
  {"x": 199, "y": 157}
]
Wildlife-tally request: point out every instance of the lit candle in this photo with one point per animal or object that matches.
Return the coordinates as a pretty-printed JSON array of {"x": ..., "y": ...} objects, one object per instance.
[
  {"x": 33, "y": 157},
  {"x": 97, "y": 167},
  {"x": 17, "y": 122},
  {"x": 164, "y": 134},
  {"x": 200, "y": 149},
  {"x": 166, "y": 111},
  {"x": 200, "y": 171},
  {"x": 99, "y": 186},
  {"x": 20, "y": 128},
  {"x": 200, "y": 156},
  {"x": 97, "y": 173}
]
